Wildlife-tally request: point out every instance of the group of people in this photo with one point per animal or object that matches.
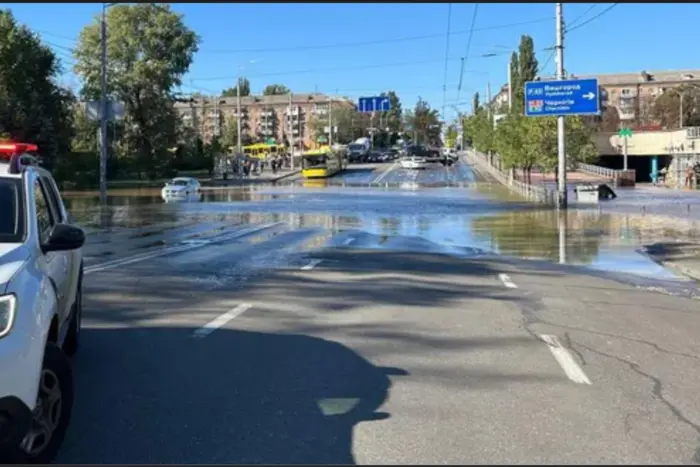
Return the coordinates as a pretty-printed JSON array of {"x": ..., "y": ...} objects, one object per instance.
[
  {"x": 248, "y": 166},
  {"x": 691, "y": 176}
]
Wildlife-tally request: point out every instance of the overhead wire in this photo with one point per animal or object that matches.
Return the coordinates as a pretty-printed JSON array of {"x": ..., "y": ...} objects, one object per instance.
[
  {"x": 447, "y": 54},
  {"x": 342, "y": 68},
  {"x": 568, "y": 30},
  {"x": 352, "y": 44},
  {"x": 378, "y": 41},
  {"x": 469, "y": 43}
]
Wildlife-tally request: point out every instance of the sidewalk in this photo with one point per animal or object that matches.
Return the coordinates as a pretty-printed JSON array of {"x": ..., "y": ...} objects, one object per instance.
[{"x": 265, "y": 177}]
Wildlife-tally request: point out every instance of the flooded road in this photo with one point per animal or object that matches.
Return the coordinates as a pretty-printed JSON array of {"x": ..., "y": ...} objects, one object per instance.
[
  {"x": 309, "y": 323},
  {"x": 381, "y": 206}
]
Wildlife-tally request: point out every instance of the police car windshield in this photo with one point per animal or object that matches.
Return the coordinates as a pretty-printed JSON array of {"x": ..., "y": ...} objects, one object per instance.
[{"x": 11, "y": 220}]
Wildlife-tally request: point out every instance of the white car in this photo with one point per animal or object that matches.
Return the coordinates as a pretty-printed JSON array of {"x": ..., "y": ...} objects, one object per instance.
[
  {"x": 182, "y": 189},
  {"x": 413, "y": 163},
  {"x": 41, "y": 271}
]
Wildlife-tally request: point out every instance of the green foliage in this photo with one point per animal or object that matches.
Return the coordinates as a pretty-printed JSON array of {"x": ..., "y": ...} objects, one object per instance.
[
  {"x": 393, "y": 118},
  {"x": 523, "y": 66},
  {"x": 424, "y": 123},
  {"x": 476, "y": 105},
  {"x": 270, "y": 90},
  {"x": 149, "y": 49},
  {"x": 32, "y": 107},
  {"x": 245, "y": 89}
]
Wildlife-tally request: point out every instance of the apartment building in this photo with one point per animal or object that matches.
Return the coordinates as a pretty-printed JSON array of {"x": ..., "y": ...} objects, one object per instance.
[
  {"x": 284, "y": 117},
  {"x": 629, "y": 93}
]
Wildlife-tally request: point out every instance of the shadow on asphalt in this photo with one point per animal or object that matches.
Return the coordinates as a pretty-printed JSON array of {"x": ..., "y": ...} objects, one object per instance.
[
  {"x": 143, "y": 290},
  {"x": 230, "y": 397}
]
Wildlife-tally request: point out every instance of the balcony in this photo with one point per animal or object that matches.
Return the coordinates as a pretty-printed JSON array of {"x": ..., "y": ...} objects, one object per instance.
[{"x": 267, "y": 113}]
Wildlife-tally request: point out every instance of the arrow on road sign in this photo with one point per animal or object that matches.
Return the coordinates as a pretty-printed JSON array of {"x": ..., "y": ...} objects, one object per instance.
[{"x": 589, "y": 96}]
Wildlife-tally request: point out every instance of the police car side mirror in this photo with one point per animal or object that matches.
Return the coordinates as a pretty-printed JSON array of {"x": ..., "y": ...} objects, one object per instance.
[{"x": 64, "y": 237}]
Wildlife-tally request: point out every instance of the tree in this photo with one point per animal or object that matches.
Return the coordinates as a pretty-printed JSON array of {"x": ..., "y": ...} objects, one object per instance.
[
  {"x": 610, "y": 120},
  {"x": 667, "y": 107},
  {"x": 245, "y": 89},
  {"x": 271, "y": 90},
  {"x": 229, "y": 134},
  {"x": 515, "y": 82},
  {"x": 475, "y": 103},
  {"x": 525, "y": 70},
  {"x": 149, "y": 49},
  {"x": 424, "y": 123},
  {"x": 394, "y": 117},
  {"x": 32, "y": 107}
]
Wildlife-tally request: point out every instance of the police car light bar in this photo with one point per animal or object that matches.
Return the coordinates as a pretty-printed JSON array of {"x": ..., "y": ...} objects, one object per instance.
[{"x": 15, "y": 152}]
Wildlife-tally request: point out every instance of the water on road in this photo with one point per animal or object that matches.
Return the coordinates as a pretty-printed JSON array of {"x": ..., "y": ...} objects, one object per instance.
[{"x": 381, "y": 206}]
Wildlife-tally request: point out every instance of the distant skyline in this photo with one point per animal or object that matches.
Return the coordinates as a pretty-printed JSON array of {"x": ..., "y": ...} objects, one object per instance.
[{"x": 364, "y": 49}]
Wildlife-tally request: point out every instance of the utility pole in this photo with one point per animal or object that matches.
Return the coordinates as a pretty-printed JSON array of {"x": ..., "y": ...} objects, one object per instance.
[
  {"x": 291, "y": 132},
  {"x": 103, "y": 107},
  {"x": 488, "y": 99},
  {"x": 510, "y": 87},
  {"x": 330, "y": 122},
  {"x": 561, "y": 142},
  {"x": 238, "y": 113}
]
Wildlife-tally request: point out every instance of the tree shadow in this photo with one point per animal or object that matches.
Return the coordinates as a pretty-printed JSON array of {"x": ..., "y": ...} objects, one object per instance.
[{"x": 159, "y": 395}]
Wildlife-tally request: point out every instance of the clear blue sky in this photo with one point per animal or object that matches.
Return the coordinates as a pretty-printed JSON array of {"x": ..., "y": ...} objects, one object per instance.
[{"x": 363, "y": 49}]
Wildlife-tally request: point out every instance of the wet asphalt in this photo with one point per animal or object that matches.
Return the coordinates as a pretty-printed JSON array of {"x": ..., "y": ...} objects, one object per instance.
[{"x": 383, "y": 316}]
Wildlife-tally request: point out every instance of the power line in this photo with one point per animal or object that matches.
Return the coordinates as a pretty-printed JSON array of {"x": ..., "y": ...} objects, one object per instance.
[
  {"x": 376, "y": 42},
  {"x": 469, "y": 43},
  {"x": 588, "y": 10},
  {"x": 568, "y": 30},
  {"x": 351, "y": 68}
]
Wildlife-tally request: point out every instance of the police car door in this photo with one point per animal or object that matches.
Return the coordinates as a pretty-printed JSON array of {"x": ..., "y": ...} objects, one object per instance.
[{"x": 54, "y": 263}]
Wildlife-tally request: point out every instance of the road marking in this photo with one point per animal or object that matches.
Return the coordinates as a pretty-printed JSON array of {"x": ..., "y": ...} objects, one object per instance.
[
  {"x": 174, "y": 249},
  {"x": 312, "y": 264},
  {"x": 565, "y": 360},
  {"x": 383, "y": 175},
  {"x": 348, "y": 241},
  {"x": 506, "y": 281},
  {"x": 196, "y": 242},
  {"x": 221, "y": 320}
]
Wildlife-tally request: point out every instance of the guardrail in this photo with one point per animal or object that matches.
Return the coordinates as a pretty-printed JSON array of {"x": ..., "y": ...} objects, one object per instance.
[
  {"x": 537, "y": 194},
  {"x": 618, "y": 177}
]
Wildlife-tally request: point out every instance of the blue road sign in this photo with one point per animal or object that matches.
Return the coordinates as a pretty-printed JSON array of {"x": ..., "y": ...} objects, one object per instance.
[
  {"x": 374, "y": 104},
  {"x": 568, "y": 97}
]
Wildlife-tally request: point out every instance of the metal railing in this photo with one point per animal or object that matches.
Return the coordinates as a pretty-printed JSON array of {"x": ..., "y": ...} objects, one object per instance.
[
  {"x": 618, "y": 177},
  {"x": 537, "y": 194}
]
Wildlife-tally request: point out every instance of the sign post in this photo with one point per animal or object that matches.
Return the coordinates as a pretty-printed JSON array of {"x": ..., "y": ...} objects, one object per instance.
[
  {"x": 559, "y": 99},
  {"x": 624, "y": 133}
]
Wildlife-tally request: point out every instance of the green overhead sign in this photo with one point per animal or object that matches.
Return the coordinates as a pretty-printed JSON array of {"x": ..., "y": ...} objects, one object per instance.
[{"x": 625, "y": 132}]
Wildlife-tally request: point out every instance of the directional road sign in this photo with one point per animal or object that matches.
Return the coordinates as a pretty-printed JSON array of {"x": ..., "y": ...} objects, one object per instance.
[
  {"x": 374, "y": 104},
  {"x": 625, "y": 132},
  {"x": 567, "y": 97}
]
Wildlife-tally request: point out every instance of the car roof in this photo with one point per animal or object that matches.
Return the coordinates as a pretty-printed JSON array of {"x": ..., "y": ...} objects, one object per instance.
[
  {"x": 5, "y": 171},
  {"x": 185, "y": 179}
]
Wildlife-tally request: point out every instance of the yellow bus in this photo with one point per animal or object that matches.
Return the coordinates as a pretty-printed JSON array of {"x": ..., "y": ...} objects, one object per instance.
[
  {"x": 263, "y": 150},
  {"x": 322, "y": 163}
]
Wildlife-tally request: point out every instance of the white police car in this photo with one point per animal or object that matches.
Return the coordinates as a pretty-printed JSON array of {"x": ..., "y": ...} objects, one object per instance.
[{"x": 41, "y": 274}]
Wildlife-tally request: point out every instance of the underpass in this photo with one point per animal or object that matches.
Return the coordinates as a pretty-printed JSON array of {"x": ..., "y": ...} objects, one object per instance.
[{"x": 407, "y": 320}]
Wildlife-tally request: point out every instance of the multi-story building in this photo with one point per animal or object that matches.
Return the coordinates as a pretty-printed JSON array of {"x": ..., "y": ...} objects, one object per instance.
[
  {"x": 630, "y": 93},
  {"x": 282, "y": 118}
]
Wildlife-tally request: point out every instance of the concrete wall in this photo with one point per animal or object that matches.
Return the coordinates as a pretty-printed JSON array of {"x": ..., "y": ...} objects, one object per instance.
[{"x": 648, "y": 143}]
